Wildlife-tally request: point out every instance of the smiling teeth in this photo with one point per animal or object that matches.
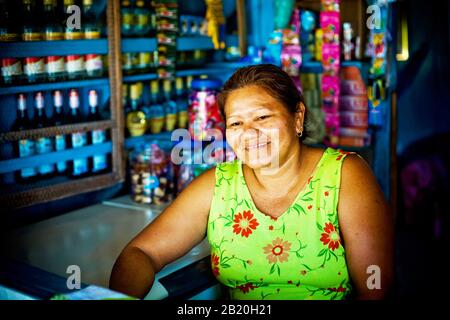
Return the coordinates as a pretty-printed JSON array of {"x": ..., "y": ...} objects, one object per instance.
[{"x": 256, "y": 146}]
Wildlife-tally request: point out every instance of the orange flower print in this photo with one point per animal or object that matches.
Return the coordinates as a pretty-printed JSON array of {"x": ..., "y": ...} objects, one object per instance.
[
  {"x": 277, "y": 251},
  {"x": 326, "y": 193},
  {"x": 330, "y": 237},
  {"x": 215, "y": 264},
  {"x": 244, "y": 223},
  {"x": 245, "y": 288},
  {"x": 341, "y": 154}
]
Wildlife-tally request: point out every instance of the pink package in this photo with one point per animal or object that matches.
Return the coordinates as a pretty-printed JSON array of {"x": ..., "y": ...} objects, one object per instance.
[
  {"x": 330, "y": 24},
  {"x": 330, "y": 93},
  {"x": 291, "y": 60},
  {"x": 331, "y": 59},
  {"x": 354, "y": 119},
  {"x": 353, "y": 103}
]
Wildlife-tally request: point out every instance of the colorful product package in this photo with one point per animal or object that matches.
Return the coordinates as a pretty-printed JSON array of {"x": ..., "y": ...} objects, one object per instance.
[
  {"x": 331, "y": 27},
  {"x": 354, "y": 119},
  {"x": 353, "y": 103},
  {"x": 330, "y": 5},
  {"x": 291, "y": 60},
  {"x": 330, "y": 59},
  {"x": 330, "y": 93}
]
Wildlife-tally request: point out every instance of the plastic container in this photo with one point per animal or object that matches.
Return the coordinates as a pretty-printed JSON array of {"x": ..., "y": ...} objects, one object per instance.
[
  {"x": 151, "y": 172},
  {"x": 203, "y": 108}
]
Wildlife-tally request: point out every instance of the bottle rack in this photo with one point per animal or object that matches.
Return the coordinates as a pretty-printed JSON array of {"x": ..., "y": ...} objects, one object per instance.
[
  {"x": 21, "y": 195},
  {"x": 17, "y": 195}
]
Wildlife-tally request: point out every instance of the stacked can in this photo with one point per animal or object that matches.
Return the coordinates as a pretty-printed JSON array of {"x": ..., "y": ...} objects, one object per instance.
[
  {"x": 151, "y": 175},
  {"x": 204, "y": 113}
]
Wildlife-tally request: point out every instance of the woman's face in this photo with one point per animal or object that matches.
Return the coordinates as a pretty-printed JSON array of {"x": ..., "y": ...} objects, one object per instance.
[{"x": 259, "y": 128}]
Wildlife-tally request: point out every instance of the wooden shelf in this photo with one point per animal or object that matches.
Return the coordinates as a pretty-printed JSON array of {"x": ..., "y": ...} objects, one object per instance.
[
  {"x": 53, "y": 131},
  {"x": 183, "y": 43},
  {"x": 55, "y": 157}
]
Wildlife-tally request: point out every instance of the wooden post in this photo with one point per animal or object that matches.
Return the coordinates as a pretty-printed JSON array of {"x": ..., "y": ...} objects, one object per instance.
[
  {"x": 242, "y": 26},
  {"x": 115, "y": 83}
]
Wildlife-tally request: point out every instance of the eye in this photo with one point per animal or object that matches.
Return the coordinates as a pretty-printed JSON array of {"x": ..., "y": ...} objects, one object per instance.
[
  {"x": 234, "y": 124},
  {"x": 263, "y": 117}
]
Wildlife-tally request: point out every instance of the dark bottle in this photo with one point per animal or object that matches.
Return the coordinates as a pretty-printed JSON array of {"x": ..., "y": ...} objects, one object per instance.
[
  {"x": 8, "y": 23},
  {"x": 94, "y": 65},
  {"x": 128, "y": 17},
  {"x": 34, "y": 69},
  {"x": 24, "y": 147},
  {"x": 55, "y": 67},
  {"x": 99, "y": 162},
  {"x": 182, "y": 104},
  {"x": 43, "y": 144},
  {"x": 142, "y": 15},
  {"x": 52, "y": 28},
  {"x": 59, "y": 120},
  {"x": 91, "y": 27},
  {"x": 71, "y": 30},
  {"x": 11, "y": 71},
  {"x": 32, "y": 30},
  {"x": 79, "y": 166}
]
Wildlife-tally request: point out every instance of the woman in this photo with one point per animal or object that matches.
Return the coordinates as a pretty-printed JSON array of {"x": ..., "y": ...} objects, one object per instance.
[{"x": 285, "y": 220}]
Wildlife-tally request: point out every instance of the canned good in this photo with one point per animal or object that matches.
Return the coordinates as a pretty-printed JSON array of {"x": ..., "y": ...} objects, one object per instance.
[{"x": 203, "y": 109}]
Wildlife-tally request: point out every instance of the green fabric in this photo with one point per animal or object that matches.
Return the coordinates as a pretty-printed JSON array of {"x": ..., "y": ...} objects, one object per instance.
[{"x": 299, "y": 255}]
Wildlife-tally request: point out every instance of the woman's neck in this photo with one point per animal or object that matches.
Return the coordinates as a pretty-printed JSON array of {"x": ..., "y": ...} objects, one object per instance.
[{"x": 282, "y": 177}]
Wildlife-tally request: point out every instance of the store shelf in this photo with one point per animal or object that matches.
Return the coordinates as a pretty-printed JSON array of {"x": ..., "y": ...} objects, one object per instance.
[
  {"x": 52, "y": 131},
  {"x": 183, "y": 43},
  {"x": 52, "y": 48},
  {"x": 138, "y": 44},
  {"x": 180, "y": 73},
  {"x": 54, "y": 86},
  {"x": 12, "y": 165},
  {"x": 140, "y": 77},
  {"x": 131, "y": 142}
]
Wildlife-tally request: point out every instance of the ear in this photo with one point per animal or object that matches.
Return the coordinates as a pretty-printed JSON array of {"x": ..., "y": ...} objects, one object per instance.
[{"x": 300, "y": 117}]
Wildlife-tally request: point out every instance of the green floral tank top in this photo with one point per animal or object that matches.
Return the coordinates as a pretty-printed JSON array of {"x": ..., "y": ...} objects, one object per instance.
[{"x": 298, "y": 255}]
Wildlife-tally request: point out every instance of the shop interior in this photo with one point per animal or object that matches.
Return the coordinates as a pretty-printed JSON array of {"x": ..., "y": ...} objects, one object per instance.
[{"x": 95, "y": 98}]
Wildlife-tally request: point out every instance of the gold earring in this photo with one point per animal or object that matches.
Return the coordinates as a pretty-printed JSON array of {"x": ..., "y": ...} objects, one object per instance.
[{"x": 299, "y": 134}]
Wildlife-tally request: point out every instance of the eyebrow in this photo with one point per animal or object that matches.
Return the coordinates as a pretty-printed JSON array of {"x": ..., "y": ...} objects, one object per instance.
[{"x": 264, "y": 106}]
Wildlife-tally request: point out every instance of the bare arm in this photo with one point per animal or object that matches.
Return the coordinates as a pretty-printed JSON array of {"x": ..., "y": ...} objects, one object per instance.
[
  {"x": 181, "y": 226},
  {"x": 367, "y": 228}
]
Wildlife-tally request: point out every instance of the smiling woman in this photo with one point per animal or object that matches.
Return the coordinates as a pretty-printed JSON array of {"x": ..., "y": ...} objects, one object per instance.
[{"x": 284, "y": 220}]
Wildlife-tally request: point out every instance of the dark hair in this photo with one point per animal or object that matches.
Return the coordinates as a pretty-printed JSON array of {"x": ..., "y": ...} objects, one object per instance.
[{"x": 272, "y": 79}]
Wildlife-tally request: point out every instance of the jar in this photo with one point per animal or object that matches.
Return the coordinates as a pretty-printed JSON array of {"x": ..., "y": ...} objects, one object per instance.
[
  {"x": 151, "y": 175},
  {"x": 203, "y": 109}
]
